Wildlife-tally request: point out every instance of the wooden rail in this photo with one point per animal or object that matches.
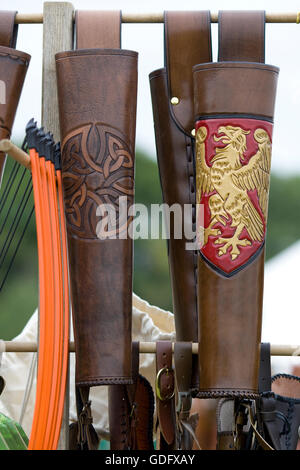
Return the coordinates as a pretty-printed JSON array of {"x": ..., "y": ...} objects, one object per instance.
[
  {"x": 147, "y": 348},
  {"x": 158, "y": 17}
]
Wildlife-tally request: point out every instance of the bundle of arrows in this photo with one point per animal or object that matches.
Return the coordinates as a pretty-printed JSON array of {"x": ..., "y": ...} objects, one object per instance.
[{"x": 44, "y": 163}]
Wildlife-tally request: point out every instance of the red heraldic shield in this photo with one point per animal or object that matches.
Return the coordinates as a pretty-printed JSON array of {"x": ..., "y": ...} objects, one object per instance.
[{"x": 233, "y": 159}]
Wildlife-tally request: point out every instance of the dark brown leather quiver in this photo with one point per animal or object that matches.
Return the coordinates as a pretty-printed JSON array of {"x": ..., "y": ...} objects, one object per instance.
[
  {"x": 279, "y": 411},
  {"x": 234, "y": 108},
  {"x": 278, "y": 407},
  {"x": 97, "y": 92},
  {"x": 13, "y": 68},
  {"x": 187, "y": 42},
  {"x": 130, "y": 410}
]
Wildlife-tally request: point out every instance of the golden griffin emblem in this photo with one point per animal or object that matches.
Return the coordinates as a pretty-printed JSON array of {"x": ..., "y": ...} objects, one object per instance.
[{"x": 229, "y": 179}]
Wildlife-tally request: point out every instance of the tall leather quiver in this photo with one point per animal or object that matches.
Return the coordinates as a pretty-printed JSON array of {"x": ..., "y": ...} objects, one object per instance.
[
  {"x": 13, "y": 68},
  {"x": 187, "y": 42},
  {"x": 234, "y": 107},
  {"x": 97, "y": 92}
]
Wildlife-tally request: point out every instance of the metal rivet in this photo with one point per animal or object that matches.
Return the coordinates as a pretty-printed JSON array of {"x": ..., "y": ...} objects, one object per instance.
[
  {"x": 174, "y": 100},
  {"x": 193, "y": 132}
]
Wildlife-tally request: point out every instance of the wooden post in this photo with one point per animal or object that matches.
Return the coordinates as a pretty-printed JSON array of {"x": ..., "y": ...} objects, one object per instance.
[{"x": 57, "y": 37}]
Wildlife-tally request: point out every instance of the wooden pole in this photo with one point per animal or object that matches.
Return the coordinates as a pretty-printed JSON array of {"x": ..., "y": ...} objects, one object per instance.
[
  {"x": 15, "y": 152},
  {"x": 57, "y": 37},
  {"x": 158, "y": 17},
  {"x": 147, "y": 348}
]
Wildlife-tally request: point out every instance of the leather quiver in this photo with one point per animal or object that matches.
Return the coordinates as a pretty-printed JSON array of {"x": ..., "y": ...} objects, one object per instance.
[
  {"x": 234, "y": 107},
  {"x": 279, "y": 412},
  {"x": 97, "y": 92},
  {"x": 187, "y": 42},
  {"x": 13, "y": 69}
]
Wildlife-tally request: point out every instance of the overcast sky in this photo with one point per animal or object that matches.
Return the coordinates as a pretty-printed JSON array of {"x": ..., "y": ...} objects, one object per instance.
[{"x": 282, "y": 50}]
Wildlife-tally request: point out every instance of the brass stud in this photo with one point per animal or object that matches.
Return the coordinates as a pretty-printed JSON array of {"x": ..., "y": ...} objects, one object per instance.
[
  {"x": 193, "y": 132},
  {"x": 174, "y": 100}
]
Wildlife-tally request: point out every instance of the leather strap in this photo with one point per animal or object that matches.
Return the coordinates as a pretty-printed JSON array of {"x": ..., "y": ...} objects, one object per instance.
[
  {"x": 8, "y": 29},
  {"x": 183, "y": 357},
  {"x": 242, "y": 36},
  {"x": 240, "y": 420},
  {"x": 86, "y": 438},
  {"x": 267, "y": 415},
  {"x": 98, "y": 29},
  {"x": 131, "y": 409},
  {"x": 265, "y": 377},
  {"x": 263, "y": 443},
  {"x": 187, "y": 43},
  {"x": 165, "y": 389},
  {"x": 131, "y": 389},
  {"x": 183, "y": 362},
  {"x": 122, "y": 409}
]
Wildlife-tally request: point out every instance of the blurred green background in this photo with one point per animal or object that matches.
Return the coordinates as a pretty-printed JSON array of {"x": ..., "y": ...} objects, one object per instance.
[{"x": 19, "y": 296}]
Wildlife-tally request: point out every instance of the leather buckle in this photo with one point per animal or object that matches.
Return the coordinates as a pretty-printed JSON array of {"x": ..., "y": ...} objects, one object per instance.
[{"x": 167, "y": 371}]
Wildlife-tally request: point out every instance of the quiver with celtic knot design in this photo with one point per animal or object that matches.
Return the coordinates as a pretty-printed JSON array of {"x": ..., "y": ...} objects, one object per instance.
[
  {"x": 13, "y": 69},
  {"x": 234, "y": 107},
  {"x": 97, "y": 92}
]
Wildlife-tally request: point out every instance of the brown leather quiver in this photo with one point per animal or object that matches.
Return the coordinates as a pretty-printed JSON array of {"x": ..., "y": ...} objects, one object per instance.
[
  {"x": 97, "y": 92},
  {"x": 13, "y": 68},
  {"x": 234, "y": 108},
  {"x": 187, "y": 42}
]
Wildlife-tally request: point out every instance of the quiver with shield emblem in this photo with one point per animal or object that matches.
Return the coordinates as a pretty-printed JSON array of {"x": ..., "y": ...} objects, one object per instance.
[{"x": 234, "y": 103}]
